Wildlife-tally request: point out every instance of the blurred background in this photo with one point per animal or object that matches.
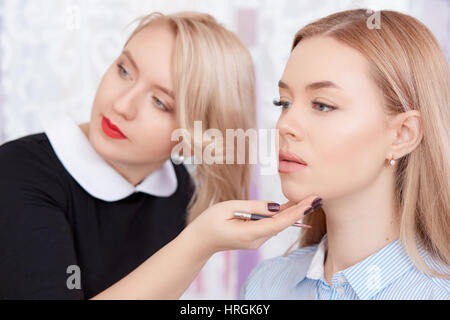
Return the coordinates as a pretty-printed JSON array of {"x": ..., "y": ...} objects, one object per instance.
[{"x": 53, "y": 54}]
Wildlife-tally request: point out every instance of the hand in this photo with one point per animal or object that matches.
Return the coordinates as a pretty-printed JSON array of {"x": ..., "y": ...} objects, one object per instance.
[{"x": 216, "y": 229}]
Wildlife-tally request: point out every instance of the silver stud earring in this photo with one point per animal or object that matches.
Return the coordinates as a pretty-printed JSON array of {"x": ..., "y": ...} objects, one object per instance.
[
  {"x": 392, "y": 162},
  {"x": 177, "y": 158}
]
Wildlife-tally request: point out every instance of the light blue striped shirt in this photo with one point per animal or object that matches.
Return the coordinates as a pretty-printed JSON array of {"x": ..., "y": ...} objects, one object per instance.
[{"x": 387, "y": 274}]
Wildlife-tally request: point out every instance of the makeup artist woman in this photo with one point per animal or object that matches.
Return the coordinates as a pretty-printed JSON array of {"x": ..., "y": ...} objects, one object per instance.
[{"x": 102, "y": 197}]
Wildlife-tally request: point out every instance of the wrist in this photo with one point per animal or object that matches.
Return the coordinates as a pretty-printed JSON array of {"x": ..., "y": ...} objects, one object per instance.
[{"x": 196, "y": 244}]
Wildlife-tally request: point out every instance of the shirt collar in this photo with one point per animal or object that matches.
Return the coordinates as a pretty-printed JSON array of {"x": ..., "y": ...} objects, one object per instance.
[
  {"x": 92, "y": 172},
  {"x": 315, "y": 270},
  {"x": 369, "y": 276}
]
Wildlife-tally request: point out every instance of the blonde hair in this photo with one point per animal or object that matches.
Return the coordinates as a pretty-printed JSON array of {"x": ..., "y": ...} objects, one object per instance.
[
  {"x": 410, "y": 68},
  {"x": 214, "y": 82}
]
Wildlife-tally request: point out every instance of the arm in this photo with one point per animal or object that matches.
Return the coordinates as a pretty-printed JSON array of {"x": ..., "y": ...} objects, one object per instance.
[
  {"x": 36, "y": 244},
  {"x": 170, "y": 271},
  {"x": 165, "y": 275},
  {"x": 36, "y": 249}
]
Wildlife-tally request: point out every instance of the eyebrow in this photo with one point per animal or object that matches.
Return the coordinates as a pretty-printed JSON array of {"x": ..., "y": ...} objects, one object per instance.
[
  {"x": 312, "y": 86},
  {"x": 166, "y": 91},
  {"x": 170, "y": 93},
  {"x": 130, "y": 57}
]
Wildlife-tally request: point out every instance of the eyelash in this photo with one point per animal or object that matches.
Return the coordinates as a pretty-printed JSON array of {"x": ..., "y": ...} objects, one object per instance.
[
  {"x": 158, "y": 102},
  {"x": 122, "y": 69},
  {"x": 281, "y": 103},
  {"x": 287, "y": 105}
]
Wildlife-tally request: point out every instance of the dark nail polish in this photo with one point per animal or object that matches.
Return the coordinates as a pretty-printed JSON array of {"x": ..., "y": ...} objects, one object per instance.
[
  {"x": 273, "y": 207},
  {"x": 313, "y": 208},
  {"x": 316, "y": 201}
]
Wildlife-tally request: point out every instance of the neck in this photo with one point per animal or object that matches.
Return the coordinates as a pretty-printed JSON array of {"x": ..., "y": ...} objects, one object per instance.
[
  {"x": 360, "y": 224},
  {"x": 134, "y": 174}
]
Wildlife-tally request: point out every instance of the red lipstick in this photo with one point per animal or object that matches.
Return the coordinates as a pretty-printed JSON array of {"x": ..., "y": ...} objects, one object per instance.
[
  {"x": 111, "y": 130},
  {"x": 289, "y": 162}
]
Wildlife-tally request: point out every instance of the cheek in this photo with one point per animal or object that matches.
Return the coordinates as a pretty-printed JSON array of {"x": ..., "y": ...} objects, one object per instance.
[
  {"x": 350, "y": 153},
  {"x": 345, "y": 155},
  {"x": 104, "y": 95},
  {"x": 153, "y": 135}
]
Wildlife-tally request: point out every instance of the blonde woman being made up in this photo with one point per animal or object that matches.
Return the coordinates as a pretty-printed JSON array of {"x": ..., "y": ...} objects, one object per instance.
[{"x": 368, "y": 112}]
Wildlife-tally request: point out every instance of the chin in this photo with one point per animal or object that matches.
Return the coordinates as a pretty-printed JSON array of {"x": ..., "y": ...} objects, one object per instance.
[
  {"x": 104, "y": 146},
  {"x": 293, "y": 192}
]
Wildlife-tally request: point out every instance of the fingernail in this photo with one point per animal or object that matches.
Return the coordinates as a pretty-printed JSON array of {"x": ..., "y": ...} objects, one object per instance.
[
  {"x": 273, "y": 207},
  {"x": 316, "y": 201},
  {"x": 313, "y": 208}
]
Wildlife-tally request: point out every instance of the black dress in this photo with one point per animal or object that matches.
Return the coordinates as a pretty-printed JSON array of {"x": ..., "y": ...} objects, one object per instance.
[{"x": 59, "y": 241}]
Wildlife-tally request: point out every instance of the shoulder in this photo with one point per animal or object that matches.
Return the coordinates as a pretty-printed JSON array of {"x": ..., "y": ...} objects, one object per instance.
[
  {"x": 29, "y": 166},
  {"x": 271, "y": 278},
  {"x": 416, "y": 284},
  {"x": 438, "y": 287},
  {"x": 17, "y": 144},
  {"x": 27, "y": 150}
]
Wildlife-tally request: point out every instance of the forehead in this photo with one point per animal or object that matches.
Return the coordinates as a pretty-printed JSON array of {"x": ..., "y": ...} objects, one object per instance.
[
  {"x": 152, "y": 49},
  {"x": 326, "y": 59}
]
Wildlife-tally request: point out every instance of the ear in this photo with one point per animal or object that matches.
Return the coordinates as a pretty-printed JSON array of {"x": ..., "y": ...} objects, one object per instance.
[{"x": 407, "y": 133}]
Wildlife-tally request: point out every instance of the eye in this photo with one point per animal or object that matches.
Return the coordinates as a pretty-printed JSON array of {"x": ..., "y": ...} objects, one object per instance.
[
  {"x": 160, "y": 104},
  {"x": 323, "y": 107},
  {"x": 281, "y": 103},
  {"x": 123, "y": 72}
]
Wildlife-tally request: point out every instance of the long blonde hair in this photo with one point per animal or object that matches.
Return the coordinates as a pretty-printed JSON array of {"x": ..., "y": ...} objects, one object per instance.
[
  {"x": 410, "y": 68},
  {"x": 214, "y": 82}
]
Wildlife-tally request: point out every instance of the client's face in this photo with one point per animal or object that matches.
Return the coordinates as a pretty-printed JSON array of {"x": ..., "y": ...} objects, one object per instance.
[
  {"x": 333, "y": 119},
  {"x": 133, "y": 115}
]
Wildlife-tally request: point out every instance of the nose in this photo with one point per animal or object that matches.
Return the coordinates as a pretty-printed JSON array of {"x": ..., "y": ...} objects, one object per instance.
[
  {"x": 289, "y": 124},
  {"x": 126, "y": 105}
]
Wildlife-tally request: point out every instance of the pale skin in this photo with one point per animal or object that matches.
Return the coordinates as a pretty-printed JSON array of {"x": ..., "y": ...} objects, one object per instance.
[
  {"x": 136, "y": 94},
  {"x": 347, "y": 149}
]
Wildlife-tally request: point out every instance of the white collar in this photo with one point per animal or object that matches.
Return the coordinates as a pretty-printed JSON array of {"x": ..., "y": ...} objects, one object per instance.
[
  {"x": 316, "y": 268},
  {"x": 92, "y": 172}
]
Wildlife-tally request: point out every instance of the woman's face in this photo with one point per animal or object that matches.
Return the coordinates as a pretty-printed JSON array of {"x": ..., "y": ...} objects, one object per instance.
[
  {"x": 136, "y": 97},
  {"x": 335, "y": 121}
]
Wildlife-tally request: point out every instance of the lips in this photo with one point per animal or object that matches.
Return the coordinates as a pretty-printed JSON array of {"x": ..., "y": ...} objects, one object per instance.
[
  {"x": 290, "y": 162},
  {"x": 291, "y": 157},
  {"x": 112, "y": 130}
]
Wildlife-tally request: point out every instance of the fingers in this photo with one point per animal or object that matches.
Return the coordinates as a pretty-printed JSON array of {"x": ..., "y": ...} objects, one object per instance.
[
  {"x": 279, "y": 222},
  {"x": 266, "y": 208},
  {"x": 262, "y": 207},
  {"x": 287, "y": 205}
]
